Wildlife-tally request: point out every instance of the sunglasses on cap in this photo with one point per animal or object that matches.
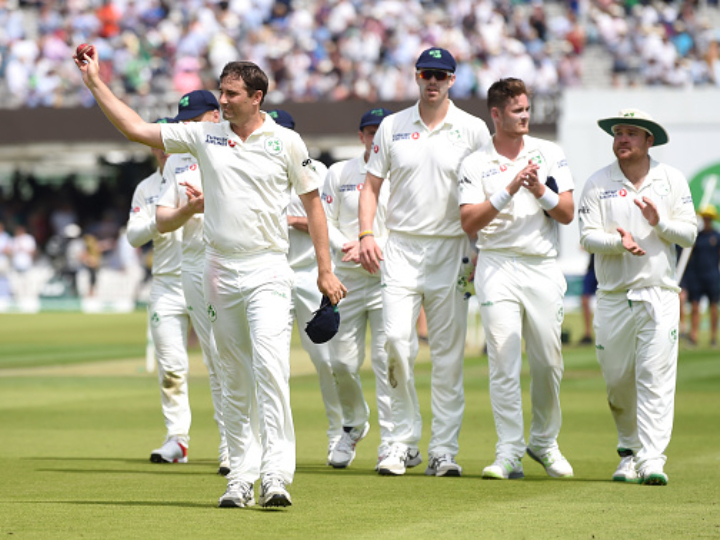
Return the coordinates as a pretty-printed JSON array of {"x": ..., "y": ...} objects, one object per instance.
[{"x": 427, "y": 74}]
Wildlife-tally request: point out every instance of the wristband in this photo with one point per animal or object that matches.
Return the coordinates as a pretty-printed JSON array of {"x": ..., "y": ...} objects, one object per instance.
[
  {"x": 549, "y": 200},
  {"x": 364, "y": 234},
  {"x": 500, "y": 200}
]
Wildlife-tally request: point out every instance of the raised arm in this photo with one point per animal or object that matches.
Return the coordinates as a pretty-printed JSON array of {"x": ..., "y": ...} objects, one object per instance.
[{"x": 127, "y": 121}]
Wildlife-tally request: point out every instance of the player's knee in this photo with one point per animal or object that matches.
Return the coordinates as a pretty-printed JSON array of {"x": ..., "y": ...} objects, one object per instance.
[{"x": 172, "y": 380}]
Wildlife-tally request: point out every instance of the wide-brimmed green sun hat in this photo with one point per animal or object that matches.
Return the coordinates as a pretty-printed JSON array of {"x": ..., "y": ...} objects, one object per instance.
[{"x": 637, "y": 118}]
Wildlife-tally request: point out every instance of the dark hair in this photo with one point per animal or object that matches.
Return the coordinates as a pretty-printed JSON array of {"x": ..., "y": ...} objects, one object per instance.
[
  {"x": 253, "y": 77},
  {"x": 504, "y": 90}
]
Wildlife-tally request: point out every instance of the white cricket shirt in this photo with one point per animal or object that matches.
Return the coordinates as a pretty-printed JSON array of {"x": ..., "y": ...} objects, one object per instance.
[
  {"x": 301, "y": 252},
  {"x": 184, "y": 168},
  {"x": 341, "y": 197},
  {"x": 141, "y": 228},
  {"x": 422, "y": 168},
  {"x": 521, "y": 227},
  {"x": 246, "y": 184},
  {"x": 607, "y": 203}
]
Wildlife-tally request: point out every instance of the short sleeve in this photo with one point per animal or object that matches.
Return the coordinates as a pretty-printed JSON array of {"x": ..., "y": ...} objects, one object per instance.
[
  {"x": 180, "y": 138},
  {"x": 470, "y": 188},
  {"x": 379, "y": 162},
  {"x": 302, "y": 172}
]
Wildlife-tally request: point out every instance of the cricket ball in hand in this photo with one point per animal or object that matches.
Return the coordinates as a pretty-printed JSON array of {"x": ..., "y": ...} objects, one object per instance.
[{"x": 84, "y": 49}]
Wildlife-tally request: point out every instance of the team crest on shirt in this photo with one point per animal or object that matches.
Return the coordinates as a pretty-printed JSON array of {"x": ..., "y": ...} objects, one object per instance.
[
  {"x": 661, "y": 188},
  {"x": 273, "y": 146},
  {"x": 560, "y": 315},
  {"x": 155, "y": 319},
  {"x": 673, "y": 335},
  {"x": 212, "y": 314},
  {"x": 455, "y": 136}
]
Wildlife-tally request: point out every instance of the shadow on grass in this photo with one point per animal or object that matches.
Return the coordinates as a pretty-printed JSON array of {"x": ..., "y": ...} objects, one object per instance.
[{"x": 159, "y": 504}]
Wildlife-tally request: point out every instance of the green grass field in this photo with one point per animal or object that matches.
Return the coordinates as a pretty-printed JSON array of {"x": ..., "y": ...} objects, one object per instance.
[{"x": 75, "y": 442}]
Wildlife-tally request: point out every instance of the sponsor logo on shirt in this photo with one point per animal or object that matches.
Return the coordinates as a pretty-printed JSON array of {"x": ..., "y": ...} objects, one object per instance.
[
  {"x": 134, "y": 209},
  {"x": 327, "y": 198},
  {"x": 687, "y": 199},
  {"x": 503, "y": 168},
  {"x": 180, "y": 170},
  {"x": 376, "y": 148},
  {"x": 152, "y": 200},
  {"x": 193, "y": 167},
  {"x": 401, "y": 136},
  {"x": 490, "y": 172},
  {"x": 562, "y": 163},
  {"x": 231, "y": 143},
  {"x": 583, "y": 210},
  {"x": 218, "y": 141},
  {"x": 415, "y": 135},
  {"x": 613, "y": 194},
  {"x": 273, "y": 146},
  {"x": 464, "y": 180},
  {"x": 350, "y": 187}
]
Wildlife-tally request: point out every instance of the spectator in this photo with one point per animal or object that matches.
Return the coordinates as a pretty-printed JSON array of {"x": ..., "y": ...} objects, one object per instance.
[{"x": 22, "y": 252}]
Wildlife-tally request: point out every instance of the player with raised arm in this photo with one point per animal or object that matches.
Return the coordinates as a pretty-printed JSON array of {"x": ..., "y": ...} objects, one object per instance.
[{"x": 249, "y": 164}]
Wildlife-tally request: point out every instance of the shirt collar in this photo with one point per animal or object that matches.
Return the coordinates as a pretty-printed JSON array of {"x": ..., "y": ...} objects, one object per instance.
[
  {"x": 449, "y": 120},
  {"x": 654, "y": 173},
  {"x": 530, "y": 144}
]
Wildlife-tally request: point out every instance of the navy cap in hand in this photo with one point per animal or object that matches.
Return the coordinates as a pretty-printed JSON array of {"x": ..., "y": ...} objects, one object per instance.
[
  {"x": 436, "y": 58},
  {"x": 325, "y": 323},
  {"x": 196, "y": 103},
  {"x": 282, "y": 118},
  {"x": 373, "y": 117}
]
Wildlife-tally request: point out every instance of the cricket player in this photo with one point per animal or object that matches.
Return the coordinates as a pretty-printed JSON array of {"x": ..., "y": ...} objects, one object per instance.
[
  {"x": 513, "y": 194},
  {"x": 306, "y": 297},
  {"x": 419, "y": 150},
  {"x": 249, "y": 164},
  {"x": 344, "y": 183},
  {"x": 632, "y": 213},
  {"x": 168, "y": 314},
  {"x": 172, "y": 213}
]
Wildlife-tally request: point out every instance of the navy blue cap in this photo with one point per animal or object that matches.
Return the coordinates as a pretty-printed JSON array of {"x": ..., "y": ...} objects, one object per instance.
[
  {"x": 325, "y": 323},
  {"x": 282, "y": 118},
  {"x": 373, "y": 117},
  {"x": 195, "y": 103},
  {"x": 436, "y": 58}
]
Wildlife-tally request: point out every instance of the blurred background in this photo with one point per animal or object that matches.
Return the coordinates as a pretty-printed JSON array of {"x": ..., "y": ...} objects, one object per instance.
[{"x": 67, "y": 177}]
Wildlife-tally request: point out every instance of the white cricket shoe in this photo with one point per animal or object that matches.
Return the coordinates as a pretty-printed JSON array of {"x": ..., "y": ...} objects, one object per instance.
[
  {"x": 273, "y": 493},
  {"x": 344, "y": 451},
  {"x": 627, "y": 471},
  {"x": 504, "y": 469},
  {"x": 395, "y": 461},
  {"x": 413, "y": 458},
  {"x": 653, "y": 475},
  {"x": 172, "y": 451},
  {"x": 332, "y": 443},
  {"x": 224, "y": 468},
  {"x": 442, "y": 465},
  {"x": 239, "y": 494},
  {"x": 552, "y": 459}
]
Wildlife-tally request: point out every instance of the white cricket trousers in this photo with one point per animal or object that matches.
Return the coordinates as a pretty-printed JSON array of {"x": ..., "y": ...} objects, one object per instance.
[
  {"x": 169, "y": 324},
  {"x": 522, "y": 298},
  {"x": 362, "y": 306},
  {"x": 249, "y": 299},
  {"x": 424, "y": 270},
  {"x": 637, "y": 348},
  {"x": 306, "y": 299},
  {"x": 192, "y": 282}
]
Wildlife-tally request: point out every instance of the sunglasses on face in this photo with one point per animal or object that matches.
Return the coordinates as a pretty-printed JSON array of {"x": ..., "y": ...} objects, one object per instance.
[{"x": 427, "y": 74}]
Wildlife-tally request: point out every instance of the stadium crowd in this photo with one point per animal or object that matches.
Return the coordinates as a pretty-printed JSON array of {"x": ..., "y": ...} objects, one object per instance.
[{"x": 344, "y": 49}]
